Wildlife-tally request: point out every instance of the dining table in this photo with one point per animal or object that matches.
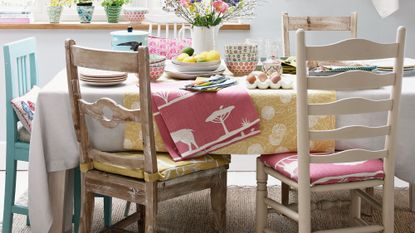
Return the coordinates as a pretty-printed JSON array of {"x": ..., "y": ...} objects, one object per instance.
[{"x": 54, "y": 151}]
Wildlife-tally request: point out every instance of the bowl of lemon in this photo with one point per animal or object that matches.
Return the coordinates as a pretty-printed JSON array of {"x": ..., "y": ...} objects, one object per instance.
[{"x": 188, "y": 61}]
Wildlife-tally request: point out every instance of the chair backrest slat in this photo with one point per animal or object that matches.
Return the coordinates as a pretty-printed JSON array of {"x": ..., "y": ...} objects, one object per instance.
[
  {"x": 119, "y": 114},
  {"x": 347, "y": 156},
  {"x": 352, "y": 49},
  {"x": 352, "y": 80},
  {"x": 352, "y": 105},
  {"x": 105, "y": 60},
  {"x": 19, "y": 77},
  {"x": 349, "y": 132},
  {"x": 132, "y": 62},
  {"x": 316, "y": 23}
]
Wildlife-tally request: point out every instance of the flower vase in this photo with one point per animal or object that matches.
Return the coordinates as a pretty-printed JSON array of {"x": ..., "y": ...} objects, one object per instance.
[
  {"x": 204, "y": 38},
  {"x": 54, "y": 13},
  {"x": 85, "y": 13},
  {"x": 113, "y": 13}
]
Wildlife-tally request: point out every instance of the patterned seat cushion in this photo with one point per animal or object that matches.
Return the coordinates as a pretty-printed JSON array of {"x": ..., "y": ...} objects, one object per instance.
[
  {"x": 167, "y": 168},
  {"x": 325, "y": 173}
]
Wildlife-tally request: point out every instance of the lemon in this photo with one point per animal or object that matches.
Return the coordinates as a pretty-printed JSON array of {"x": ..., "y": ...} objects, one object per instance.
[
  {"x": 190, "y": 51},
  {"x": 190, "y": 59},
  {"x": 213, "y": 56},
  {"x": 182, "y": 56}
]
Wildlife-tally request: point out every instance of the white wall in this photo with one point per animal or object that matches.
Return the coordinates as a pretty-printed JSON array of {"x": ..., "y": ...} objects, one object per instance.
[{"x": 266, "y": 25}]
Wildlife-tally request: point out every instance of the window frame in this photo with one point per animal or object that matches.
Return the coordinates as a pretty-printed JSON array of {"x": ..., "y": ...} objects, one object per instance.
[{"x": 69, "y": 14}]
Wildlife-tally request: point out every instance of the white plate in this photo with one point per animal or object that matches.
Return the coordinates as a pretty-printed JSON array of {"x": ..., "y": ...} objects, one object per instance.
[
  {"x": 196, "y": 67},
  {"x": 172, "y": 72},
  {"x": 93, "y": 73},
  {"x": 84, "y": 78},
  {"x": 389, "y": 63},
  {"x": 103, "y": 83}
]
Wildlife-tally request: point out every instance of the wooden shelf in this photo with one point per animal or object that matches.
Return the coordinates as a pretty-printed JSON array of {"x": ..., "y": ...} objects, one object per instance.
[{"x": 101, "y": 26}]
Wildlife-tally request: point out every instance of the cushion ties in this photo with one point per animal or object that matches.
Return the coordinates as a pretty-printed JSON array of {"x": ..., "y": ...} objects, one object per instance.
[
  {"x": 151, "y": 177},
  {"x": 84, "y": 167}
]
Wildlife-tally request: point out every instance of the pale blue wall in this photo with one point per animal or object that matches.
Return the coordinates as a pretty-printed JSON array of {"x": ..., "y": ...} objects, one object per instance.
[{"x": 266, "y": 25}]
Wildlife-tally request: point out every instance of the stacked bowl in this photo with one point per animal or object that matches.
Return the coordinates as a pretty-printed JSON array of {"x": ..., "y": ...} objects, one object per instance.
[
  {"x": 135, "y": 15},
  {"x": 241, "y": 59},
  {"x": 157, "y": 65}
]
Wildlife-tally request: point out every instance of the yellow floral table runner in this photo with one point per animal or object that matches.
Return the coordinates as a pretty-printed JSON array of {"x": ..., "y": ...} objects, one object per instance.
[{"x": 277, "y": 111}]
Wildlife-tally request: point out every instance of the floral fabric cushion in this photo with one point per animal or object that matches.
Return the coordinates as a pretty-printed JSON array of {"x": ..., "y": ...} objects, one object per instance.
[
  {"x": 326, "y": 173},
  {"x": 167, "y": 168},
  {"x": 25, "y": 107}
]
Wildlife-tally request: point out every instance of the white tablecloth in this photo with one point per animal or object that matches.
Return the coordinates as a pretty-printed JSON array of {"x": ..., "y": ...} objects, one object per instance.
[
  {"x": 54, "y": 147},
  {"x": 386, "y": 7}
]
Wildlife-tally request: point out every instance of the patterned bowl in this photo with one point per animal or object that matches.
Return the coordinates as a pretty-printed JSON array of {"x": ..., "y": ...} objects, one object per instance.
[
  {"x": 135, "y": 15},
  {"x": 241, "y": 68},
  {"x": 156, "y": 70},
  {"x": 241, "y": 48},
  {"x": 241, "y": 57}
]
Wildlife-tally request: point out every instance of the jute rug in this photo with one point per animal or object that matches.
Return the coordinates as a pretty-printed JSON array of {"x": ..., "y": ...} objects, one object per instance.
[{"x": 191, "y": 213}]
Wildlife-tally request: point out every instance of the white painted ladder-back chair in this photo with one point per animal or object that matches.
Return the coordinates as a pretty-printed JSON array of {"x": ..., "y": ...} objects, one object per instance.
[{"x": 351, "y": 49}]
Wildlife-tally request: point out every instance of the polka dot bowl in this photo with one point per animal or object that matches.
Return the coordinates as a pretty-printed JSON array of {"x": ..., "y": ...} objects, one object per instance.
[
  {"x": 156, "y": 71},
  {"x": 135, "y": 15},
  {"x": 241, "y": 68}
]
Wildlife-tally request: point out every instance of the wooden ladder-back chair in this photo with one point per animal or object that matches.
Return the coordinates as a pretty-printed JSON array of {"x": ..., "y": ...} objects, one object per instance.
[
  {"x": 150, "y": 190},
  {"x": 351, "y": 49},
  {"x": 315, "y": 23}
]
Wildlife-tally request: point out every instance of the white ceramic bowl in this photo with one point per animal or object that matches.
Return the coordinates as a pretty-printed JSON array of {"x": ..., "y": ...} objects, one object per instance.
[
  {"x": 241, "y": 57},
  {"x": 241, "y": 48},
  {"x": 135, "y": 15},
  {"x": 200, "y": 66}
]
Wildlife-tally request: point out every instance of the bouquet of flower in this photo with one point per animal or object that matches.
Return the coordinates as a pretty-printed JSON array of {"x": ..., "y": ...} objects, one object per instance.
[{"x": 207, "y": 13}]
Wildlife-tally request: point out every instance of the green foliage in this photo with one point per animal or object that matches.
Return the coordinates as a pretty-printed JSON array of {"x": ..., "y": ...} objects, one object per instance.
[
  {"x": 84, "y": 2},
  {"x": 107, "y": 3},
  {"x": 61, "y": 2}
]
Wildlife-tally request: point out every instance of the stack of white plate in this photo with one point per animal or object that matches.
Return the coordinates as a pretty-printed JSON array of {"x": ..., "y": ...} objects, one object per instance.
[
  {"x": 101, "y": 77},
  {"x": 183, "y": 70}
]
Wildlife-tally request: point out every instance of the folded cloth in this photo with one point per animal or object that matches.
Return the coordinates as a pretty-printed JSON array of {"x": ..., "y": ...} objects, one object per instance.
[
  {"x": 192, "y": 124},
  {"x": 386, "y": 7}
]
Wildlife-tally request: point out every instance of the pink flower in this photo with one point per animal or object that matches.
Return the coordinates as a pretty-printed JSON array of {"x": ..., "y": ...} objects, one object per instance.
[
  {"x": 185, "y": 3},
  {"x": 220, "y": 6}
]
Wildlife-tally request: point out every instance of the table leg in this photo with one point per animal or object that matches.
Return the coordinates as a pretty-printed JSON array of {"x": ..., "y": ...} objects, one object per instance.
[
  {"x": 61, "y": 201},
  {"x": 412, "y": 196}
]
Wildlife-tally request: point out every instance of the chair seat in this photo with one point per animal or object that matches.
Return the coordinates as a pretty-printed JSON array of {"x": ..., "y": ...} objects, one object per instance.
[
  {"x": 326, "y": 173},
  {"x": 24, "y": 135},
  {"x": 167, "y": 168}
]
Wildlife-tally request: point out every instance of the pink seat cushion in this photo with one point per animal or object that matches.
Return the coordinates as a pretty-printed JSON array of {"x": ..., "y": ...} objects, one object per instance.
[{"x": 326, "y": 173}]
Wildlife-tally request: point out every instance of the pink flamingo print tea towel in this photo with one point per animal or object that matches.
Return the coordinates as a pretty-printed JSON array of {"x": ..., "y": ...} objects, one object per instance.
[{"x": 192, "y": 124}]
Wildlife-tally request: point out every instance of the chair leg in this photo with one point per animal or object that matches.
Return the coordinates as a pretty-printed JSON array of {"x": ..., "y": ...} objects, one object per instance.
[
  {"x": 107, "y": 211},
  {"x": 355, "y": 207},
  {"x": 388, "y": 206},
  {"x": 77, "y": 200},
  {"x": 9, "y": 195},
  {"x": 142, "y": 211},
  {"x": 412, "y": 196},
  {"x": 285, "y": 194},
  {"x": 261, "y": 194},
  {"x": 218, "y": 202},
  {"x": 127, "y": 208},
  {"x": 151, "y": 207},
  {"x": 87, "y": 210}
]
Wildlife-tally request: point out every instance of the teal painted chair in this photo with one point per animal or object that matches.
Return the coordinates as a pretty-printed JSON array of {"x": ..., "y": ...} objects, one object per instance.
[{"x": 21, "y": 75}]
